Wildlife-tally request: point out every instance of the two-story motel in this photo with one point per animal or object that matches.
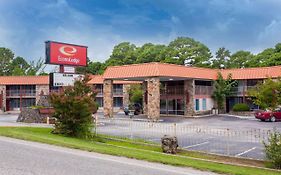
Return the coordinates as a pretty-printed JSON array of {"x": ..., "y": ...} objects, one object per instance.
[{"x": 168, "y": 89}]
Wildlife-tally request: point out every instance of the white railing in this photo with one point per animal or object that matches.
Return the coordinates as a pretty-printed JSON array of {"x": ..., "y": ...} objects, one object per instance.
[{"x": 222, "y": 141}]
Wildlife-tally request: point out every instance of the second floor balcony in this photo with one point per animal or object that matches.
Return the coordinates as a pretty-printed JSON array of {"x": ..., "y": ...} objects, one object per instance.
[
  {"x": 203, "y": 90},
  {"x": 241, "y": 91},
  {"x": 21, "y": 93}
]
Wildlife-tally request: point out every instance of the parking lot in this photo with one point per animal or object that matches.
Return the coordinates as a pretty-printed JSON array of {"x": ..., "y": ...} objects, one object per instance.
[{"x": 222, "y": 135}]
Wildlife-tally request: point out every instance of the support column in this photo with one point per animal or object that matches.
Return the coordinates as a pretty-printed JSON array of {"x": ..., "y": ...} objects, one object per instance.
[
  {"x": 126, "y": 95},
  {"x": 108, "y": 98},
  {"x": 189, "y": 91},
  {"x": 3, "y": 92},
  {"x": 153, "y": 98},
  {"x": 144, "y": 97}
]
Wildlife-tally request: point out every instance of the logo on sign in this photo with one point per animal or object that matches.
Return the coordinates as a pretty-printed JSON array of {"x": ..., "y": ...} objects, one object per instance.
[{"x": 68, "y": 50}]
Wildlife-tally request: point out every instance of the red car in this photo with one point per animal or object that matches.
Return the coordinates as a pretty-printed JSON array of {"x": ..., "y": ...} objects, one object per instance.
[{"x": 272, "y": 116}]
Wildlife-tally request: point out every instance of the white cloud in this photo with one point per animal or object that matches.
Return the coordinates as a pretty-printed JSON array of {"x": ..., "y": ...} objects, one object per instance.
[{"x": 271, "y": 33}]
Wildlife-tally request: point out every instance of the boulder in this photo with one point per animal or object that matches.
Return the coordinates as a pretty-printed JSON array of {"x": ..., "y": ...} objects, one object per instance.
[
  {"x": 169, "y": 144},
  {"x": 29, "y": 115}
]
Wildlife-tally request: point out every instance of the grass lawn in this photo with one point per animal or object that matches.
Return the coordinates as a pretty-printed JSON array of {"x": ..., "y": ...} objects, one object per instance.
[{"x": 135, "y": 150}]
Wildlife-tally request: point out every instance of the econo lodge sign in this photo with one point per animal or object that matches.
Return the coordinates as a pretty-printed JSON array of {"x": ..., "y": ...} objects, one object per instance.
[{"x": 65, "y": 54}]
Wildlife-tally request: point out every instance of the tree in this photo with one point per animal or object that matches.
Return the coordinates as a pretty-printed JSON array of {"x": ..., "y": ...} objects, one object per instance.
[
  {"x": 123, "y": 53},
  {"x": 6, "y": 57},
  {"x": 240, "y": 59},
  {"x": 135, "y": 94},
  {"x": 36, "y": 67},
  {"x": 186, "y": 50},
  {"x": 74, "y": 108},
  {"x": 19, "y": 66},
  {"x": 222, "y": 89},
  {"x": 268, "y": 94},
  {"x": 222, "y": 57},
  {"x": 149, "y": 53}
]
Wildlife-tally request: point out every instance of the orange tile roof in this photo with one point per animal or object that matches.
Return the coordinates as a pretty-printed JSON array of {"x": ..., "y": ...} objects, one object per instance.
[
  {"x": 98, "y": 79},
  {"x": 158, "y": 70},
  {"x": 180, "y": 71},
  {"x": 253, "y": 73},
  {"x": 24, "y": 80}
]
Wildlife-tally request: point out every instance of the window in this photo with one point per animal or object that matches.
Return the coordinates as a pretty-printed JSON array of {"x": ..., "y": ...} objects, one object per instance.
[
  {"x": 99, "y": 101},
  {"x": 204, "y": 104},
  {"x": 117, "y": 101},
  {"x": 197, "y": 104}
]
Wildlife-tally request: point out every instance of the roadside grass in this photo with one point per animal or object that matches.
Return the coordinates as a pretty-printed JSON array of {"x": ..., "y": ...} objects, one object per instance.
[{"x": 137, "y": 150}]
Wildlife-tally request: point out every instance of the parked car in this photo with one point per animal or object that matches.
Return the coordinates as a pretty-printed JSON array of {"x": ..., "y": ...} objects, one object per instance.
[
  {"x": 135, "y": 107},
  {"x": 268, "y": 115}
]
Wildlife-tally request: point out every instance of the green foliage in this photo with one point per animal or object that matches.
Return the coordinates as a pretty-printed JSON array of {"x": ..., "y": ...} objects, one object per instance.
[
  {"x": 135, "y": 94},
  {"x": 268, "y": 94},
  {"x": 6, "y": 57},
  {"x": 74, "y": 108},
  {"x": 222, "y": 89},
  {"x": 18, "y": 66},
  {"x": 222, "y": 57},
  {"x": 240, "y": 59},
  {"x": 241, "y": 107},
  {"x": 273, "y": 149},
  {"x": 123, "y": 53},
  {"x": 188, "y": 51}
]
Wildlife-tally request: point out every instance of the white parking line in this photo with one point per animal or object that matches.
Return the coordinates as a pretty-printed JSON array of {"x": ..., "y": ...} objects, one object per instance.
[
  {"x": 240, "y": 154},
  {"x": 199, "y": 144}
]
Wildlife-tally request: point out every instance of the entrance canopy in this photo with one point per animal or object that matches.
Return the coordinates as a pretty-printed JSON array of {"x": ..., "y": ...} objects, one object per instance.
[{"x": 140, "y": 72}]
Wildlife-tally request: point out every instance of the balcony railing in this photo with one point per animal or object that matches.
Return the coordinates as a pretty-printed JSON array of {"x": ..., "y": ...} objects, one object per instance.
[
  {"x": 172, "y": 91},
  {"x": 25, "y": 92},
  {"x": 241, "y": 90},
  {"x": 117, "y": 91},
  {"x": 203, "y": 90}
]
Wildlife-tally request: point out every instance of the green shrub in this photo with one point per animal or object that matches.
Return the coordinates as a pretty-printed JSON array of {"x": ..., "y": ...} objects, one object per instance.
[
  {"x": 241, "y": 107},
  {"x": 273, "y": 149},
  {"x": 73, "y": 109}
]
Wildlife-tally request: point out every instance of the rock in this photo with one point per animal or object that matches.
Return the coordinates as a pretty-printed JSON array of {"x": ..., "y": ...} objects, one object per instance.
[
  {"x": 169, "y": 144},
  {"x": 29, "y": 115}
]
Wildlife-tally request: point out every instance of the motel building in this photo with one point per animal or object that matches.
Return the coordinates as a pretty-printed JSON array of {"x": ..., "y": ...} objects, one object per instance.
[{"x": 168, "y": 89}]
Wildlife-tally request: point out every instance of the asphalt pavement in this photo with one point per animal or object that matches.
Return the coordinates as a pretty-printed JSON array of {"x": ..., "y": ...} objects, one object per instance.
[{"x": 18, "y": 157}]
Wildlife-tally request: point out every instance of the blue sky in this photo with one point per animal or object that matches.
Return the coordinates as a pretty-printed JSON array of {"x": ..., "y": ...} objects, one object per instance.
[{"x": 100, "y": 24}]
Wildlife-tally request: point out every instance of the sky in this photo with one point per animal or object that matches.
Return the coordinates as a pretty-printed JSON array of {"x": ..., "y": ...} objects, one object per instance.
[{"x": 25, "y": 25}]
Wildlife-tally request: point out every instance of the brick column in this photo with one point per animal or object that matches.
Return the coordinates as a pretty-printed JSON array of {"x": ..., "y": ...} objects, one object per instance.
[
  {"x": 126, "y": 96},
  {"x": 108, "y": 98},
  {"x": 3, "y": 90},
  {"x": 41, "y": 89},
  {"x": 144, "y": 97},
  {"x": 189, "y": 91},
  {"x": 153, "y": 98}
]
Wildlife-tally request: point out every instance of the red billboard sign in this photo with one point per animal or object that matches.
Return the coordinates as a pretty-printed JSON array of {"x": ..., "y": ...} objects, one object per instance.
[{"x": 65, "y": 54}]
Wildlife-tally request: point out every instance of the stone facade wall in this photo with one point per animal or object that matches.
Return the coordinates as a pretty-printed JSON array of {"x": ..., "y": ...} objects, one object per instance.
[
  {"x": 3, "y": 90},
  {"x": 108, "y": 98},
  {"x": 153, "y": 99},
  {"x": 189, "y": 91},
  {"x": 126, "y": 96},
  {"x": 144, "y": 97},
  {"x": 41, "y": 89}
]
